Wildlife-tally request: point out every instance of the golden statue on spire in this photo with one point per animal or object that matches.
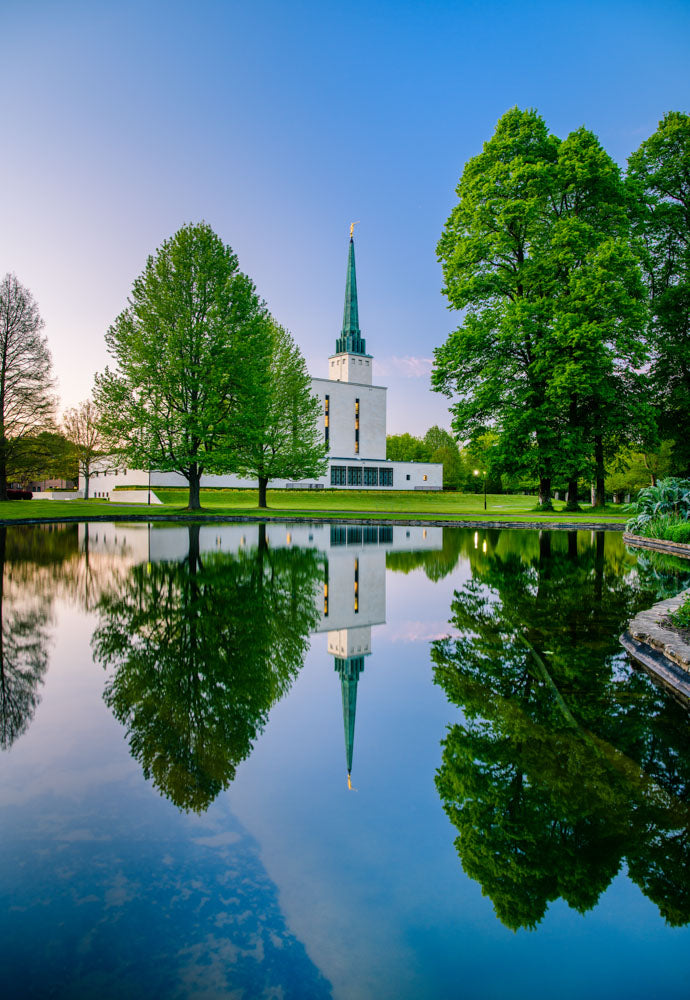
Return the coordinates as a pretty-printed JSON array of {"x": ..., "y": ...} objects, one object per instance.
[{"x": 352, "y": 227}]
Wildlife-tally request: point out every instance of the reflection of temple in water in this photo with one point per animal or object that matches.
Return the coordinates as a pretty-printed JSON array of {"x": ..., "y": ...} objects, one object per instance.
[{"x": 351, "y": 600}]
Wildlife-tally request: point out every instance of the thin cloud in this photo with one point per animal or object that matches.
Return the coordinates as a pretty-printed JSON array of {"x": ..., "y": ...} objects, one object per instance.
[
  {"x": 407, "y": 367},
  {"x": 423, "y": 632}
]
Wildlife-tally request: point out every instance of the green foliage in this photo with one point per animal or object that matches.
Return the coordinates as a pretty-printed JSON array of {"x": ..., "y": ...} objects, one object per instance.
[
  {"x": 659, "y": 182},
  {"x": 406, "y": 448},
  {"x": 562, "y": 763},
  {"x": 633, "y": 470},
  {"x": 188, "y": 351},
  {"x": 681, "y": 616},
  {"x": 47, "y": 455},
  {"x": 536, "y": 253},
  {"x": 436, "y": 564},
  {"x": 444, "y": 449},
  {"x": 679, "y": 532},
  {"x": 670, "y": 497},
  {"x": 279, "y": 436},
  {"x": 198, "y": 652}
]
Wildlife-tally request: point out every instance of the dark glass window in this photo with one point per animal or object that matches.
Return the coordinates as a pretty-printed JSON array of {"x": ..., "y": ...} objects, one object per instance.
[
  {"x": 338, "y": 534},
  {"x": 338, "y": 475},
  {"x": 385, "y": 477},
  {"x": 356, "y": 427},
  {"x": 371, "y": 477},
  {"x": 354, "y": 475},
  {"x": 354, "y": 536}
]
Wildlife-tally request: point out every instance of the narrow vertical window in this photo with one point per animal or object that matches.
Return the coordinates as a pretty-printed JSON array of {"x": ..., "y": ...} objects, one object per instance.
[
  {"x": 325, "y": 592},
  {"x": 356, "y": 586},
  {"x": 356, "y": 427},
  {"x": 326, "y": 420}
]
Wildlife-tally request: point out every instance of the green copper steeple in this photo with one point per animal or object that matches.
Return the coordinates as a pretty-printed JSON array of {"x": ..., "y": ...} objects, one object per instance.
[
  {"x": 350, "y": 340},
  {"x": 349, "y": 670}
]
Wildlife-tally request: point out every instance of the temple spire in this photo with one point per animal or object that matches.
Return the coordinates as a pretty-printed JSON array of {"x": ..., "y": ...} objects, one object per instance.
[
  {"x": 349, "y": 669},
  {"x": 350, "y": 340}
]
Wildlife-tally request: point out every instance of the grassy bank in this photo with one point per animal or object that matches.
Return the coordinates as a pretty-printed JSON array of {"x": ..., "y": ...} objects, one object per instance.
[{"x": 317, "y": 504}]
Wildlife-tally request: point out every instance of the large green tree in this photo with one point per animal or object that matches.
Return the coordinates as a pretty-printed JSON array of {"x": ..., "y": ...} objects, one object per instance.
[
  {"x": 280, "y": 437},
  {"x": 659, "y": 180},
  {"x": 187, "y": 349},
  {"x": 536, "y": 256}
]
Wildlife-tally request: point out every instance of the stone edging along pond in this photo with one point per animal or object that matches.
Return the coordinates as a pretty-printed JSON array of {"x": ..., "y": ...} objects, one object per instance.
[
  {"x": 658, "y": 544},
  {"x": 660, "y": 650},
  {"x": 316, "y": 517}
]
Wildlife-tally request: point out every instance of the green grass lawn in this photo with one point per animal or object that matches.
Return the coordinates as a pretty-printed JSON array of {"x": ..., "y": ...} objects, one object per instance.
[{"x": 321, "y": 503}]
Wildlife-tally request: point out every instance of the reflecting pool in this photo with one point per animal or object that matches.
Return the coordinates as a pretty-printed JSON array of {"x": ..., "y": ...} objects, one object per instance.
[{"x": 312, "y": 760}]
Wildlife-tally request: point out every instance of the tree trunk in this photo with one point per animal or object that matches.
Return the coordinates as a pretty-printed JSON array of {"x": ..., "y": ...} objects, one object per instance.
[
  {"x": 194, "y": 549},
  {"x": 572, "y": 546},
  {"x": 263, "y": 484},
  {"x": 544, "y": 555},
  {"x": 600, "y": 541},
  {"x": 545, "y": 493},
  {"x": 599, "y": 493},
  {"x": 3, "y": 468},
  {"x": 572, "y": 503},
  {"x": 86, "y": 485},
  {"x": 194, "y": 482}
]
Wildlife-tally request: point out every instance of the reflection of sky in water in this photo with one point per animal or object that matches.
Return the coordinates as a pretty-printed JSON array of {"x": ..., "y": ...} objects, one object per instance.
[{"x": 289, "y": 885}]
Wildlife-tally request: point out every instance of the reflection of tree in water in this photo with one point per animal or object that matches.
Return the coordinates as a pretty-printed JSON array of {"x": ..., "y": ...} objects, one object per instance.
[
  {"x": 566, "y": 762},
  {"x": 27, "y": 556},
  {"x": 436, "y": 563},
  {"x": 664, "y": 575},
  {"x": 200, "y": 650}
]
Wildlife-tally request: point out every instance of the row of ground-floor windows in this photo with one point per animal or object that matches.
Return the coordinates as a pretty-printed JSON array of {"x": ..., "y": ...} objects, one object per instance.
[{"x": 355, "y": 475}]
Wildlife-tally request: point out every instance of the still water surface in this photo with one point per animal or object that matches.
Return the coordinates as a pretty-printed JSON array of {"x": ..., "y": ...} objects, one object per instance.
[{"x": 310, "y": 761}]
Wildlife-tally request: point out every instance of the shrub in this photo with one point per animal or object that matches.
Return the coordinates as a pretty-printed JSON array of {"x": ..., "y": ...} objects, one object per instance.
[
  {"x": 679, "y": 532},
  {"x": 681, "y": 616},
  {"x": 670, "y": 497}
]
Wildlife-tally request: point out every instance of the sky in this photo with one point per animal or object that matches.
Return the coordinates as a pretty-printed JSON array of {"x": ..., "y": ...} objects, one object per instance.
[{"x": 281, "y": 123}]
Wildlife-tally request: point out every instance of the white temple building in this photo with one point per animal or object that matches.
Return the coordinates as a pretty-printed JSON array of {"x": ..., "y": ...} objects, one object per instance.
[{"x": 353, "y": 421}]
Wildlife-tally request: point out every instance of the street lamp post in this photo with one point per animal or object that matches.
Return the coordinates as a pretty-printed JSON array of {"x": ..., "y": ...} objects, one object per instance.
[{"x": 476, "y": 472}]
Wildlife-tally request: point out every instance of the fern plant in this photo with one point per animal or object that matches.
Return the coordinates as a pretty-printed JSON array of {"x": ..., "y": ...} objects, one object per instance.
[{"x": 670, "y": 498}]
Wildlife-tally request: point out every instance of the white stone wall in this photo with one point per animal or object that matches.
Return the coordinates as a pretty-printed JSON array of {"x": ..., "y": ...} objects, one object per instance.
[
  {"x": 106, "y": 476},
  {"x": 416, "y": 471},
  {"x": 344, "y": 642},
  {"x": 372, "y": 417},
  {"x": 351, "y": 368}
]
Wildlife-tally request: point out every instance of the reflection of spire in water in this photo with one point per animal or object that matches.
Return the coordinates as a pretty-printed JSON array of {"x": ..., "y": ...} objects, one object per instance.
[{"x": 349, "y": 669}]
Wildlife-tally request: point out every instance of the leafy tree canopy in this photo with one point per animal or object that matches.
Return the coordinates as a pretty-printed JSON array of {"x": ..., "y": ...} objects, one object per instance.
[
  {"x": 279, "y": 437},
  {"x": 536, "y": 254},
  {"x": 659, "y": 181},
  {"x": 187, "y": 349}
]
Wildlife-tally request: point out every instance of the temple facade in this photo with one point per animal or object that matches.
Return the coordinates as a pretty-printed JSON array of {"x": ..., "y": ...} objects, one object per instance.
[{"x": 353, "y": 420}]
